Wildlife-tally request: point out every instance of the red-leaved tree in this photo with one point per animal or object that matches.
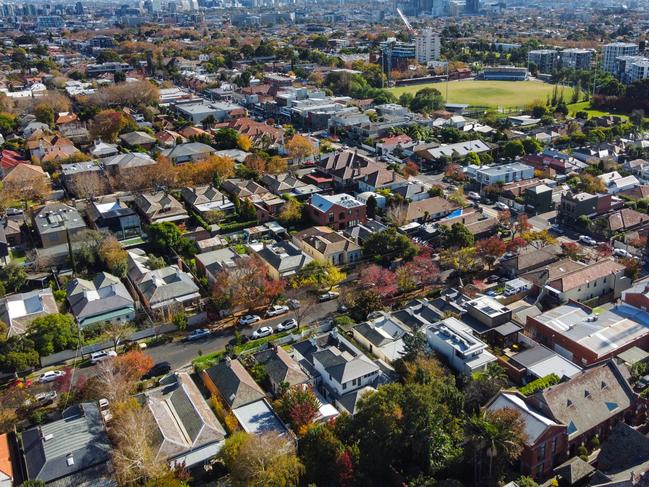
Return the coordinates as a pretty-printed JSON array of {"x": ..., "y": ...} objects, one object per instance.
[
  {"x": 383, "y": 281},
  {"x": 489, "y": 249}
]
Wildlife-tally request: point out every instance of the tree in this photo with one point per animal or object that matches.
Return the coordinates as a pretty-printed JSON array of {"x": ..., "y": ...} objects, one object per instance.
[
  {"x": 276, "y": 165},
  {"x": 427, "y": 100},
  {"x": 53, "y": 333},
  {"x": 29, "y": 187},
  {"x": 414, "y": 345},
  {"x": 372, "y": 207},
  {"x": 319, "y": 450},
  {"x": 108, "y": 124},
  {"x": 380, "y": 279},
  {"x": 44, "y": 114},
  {"x": 180, "y": 320},
  {"x": 247, "y": 285},
  {"x": 164, "y": 236},
  {"x": 389, "y": 244},
  {"x": 604, "y": 249},
  {"x": 300, "y": 148},
  {"x": 419, "y": 273},
  {"x": 539, "y": 239},
  {"x": 266, "y": 460},
  {"x": 497, "y": 435},
  {"x": 361, "y": 303},
  {"x": 8, "y": 123},
  {"x": 532, "y": 145},
  {"x": 483, "y": 386},
  {"x": 463, "y": 260},
  {"x": 473, "y": 159},
  {"x": 113, "y": 255},
  {"x": 459, "y": 236},
  {"x": 222, "y": 166},
  {"x": 410, "y": 169},
  {"x": 513, "y": 149},
  {"x": 226, "y": 138},
  {"x": 117, "y": 331},
  {"x": 572, "y": 250},
  {"x": 298, "y": 406},
  {"x": 319, "y": 276},
  {"x": 244, "y": 143},
  {"x": 291, "y": 213},
  {"x": 522, "y": 225},
  {"x": 13, "y": 276},
  {"x": 631, "y": 267},
  {"x": 490, "y": 249},
  {"x": 87, "y": 184}
]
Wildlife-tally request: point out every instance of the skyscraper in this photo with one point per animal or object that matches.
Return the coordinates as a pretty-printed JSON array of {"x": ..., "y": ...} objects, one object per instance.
[
  {"x": 615, "y": 50},
  {"x": 472, "y": 6},
  {"x": 427, "y": 46}
]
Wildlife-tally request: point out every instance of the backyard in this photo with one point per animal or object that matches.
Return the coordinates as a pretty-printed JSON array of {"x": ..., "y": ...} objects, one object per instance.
[{"x": 490, "y": 93}]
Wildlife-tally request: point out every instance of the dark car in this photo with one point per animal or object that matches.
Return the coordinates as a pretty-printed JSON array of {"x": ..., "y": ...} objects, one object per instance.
[{"x": 160, "y": 368}]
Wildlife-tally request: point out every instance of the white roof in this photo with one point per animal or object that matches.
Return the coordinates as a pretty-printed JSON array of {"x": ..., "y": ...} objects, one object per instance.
[{"x": 535, "y": 423}]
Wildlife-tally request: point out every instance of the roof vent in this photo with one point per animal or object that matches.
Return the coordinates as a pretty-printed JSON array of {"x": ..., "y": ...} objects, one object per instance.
[
  {"x": 70, "y": 460},
  {"x": 47, "y": 437}
]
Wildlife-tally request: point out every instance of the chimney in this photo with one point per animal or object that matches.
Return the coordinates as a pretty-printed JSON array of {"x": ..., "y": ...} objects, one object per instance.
[{"x": 228, "y": 361}]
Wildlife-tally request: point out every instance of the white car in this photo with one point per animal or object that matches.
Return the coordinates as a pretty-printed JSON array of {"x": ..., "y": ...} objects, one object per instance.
[
  {"x": 51, "y": 376},
  {"x": 501, "y": 206},
  {"x": 287, "y": 325},
  {"x": 97, "y": 357},
  {"x": 328, "y": 296},
  {"x": 621, "y": 253},
  {"x": 264, "y": 331},
  {"x": 276, "y": 310},
  {"x": 249, "y": 319},
  {"x": 473, "y": 195},
  {"x": 587, "y": 240}
]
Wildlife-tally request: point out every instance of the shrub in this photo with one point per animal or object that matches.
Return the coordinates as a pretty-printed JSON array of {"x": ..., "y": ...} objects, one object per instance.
[
  {"x": 235, "y": 227},
  {"x": 539, "y": 384}
]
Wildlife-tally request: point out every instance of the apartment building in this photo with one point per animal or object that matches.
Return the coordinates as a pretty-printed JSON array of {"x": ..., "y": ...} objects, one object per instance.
[{"x": 614, "y": 50}]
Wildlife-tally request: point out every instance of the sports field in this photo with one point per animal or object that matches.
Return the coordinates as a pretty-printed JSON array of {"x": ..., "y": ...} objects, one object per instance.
[{"x": 490, "y": 93}]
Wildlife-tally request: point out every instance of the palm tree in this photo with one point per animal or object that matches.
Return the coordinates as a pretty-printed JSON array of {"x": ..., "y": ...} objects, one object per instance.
[{"x": 498, "y": 435}]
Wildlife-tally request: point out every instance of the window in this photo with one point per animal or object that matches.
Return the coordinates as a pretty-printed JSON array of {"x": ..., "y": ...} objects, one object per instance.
[
  {"x": 344, "y": 386},
  {"x": 331, "y": 217},
  {"x": 541, "y": 452},
  {"x": 554, "y": 445}
]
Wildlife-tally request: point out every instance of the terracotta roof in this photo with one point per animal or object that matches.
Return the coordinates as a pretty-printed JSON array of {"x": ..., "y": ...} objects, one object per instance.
[
  {"x": 430, "y": 206},
  {"x": 587, "y": 274},
  {"x": 626, "y": 218},
  {"x": 6, "y": 467}
]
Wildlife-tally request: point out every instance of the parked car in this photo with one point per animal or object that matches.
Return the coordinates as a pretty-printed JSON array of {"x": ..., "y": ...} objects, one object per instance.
[
  {"x": 501, "y": 206},
  {"x": 342, "y": 308},
  {"x": 161, "y": 368},
  {"x": 287, "y": 325},
  {"x": 51, "y": 376},
  {"x": 492, "y": 278},
  {"x": 585, "y": 239},
  {"x": 276, "y": 310},
  {"x": 249, "y": 319},
  {"x": 556, "y": 229},
  {"x": 97, "y": 357},
  {"x": 264, "y": 331},
  {"x": 293, "y": 303},
  {"x": 642, "y": 383},
  {"x": 621, "y": 253},
  {"x": 473, "y": 195},
  {"x": 197, "y": 334},
  {"x": 491, "y": 293},
  {"x": 41, "y": 399},
  {"x": 328, "y": 296}
]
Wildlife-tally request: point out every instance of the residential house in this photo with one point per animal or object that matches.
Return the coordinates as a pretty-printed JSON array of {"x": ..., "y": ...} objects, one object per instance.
[
  {"x": 105, "y": 299},
  {"x": 19, "y": 310},
  {"x": 73, "y": 450},
  {"x": 455, "y": 342},
  {"x": 138, "y": 139},
  {"x": 232, "y": 383},
  {"x": 283, "y": 258},
  {"x": 9, "y": 159},
  {"x": 327, "y": 245},
  {"x": 189, "y": 152},
  {"x": 50, "y": 148},
  {"x": 504, "y": 173},
  {"x": 187, "y": 432},
  {"x": 361, "y": 232},
  {"x": 349, "y": 169},
  {"x": 602, "y": 279},
  {"x": 211, "y": 263},
  {"x": 122, "y": 164},
  {"x": 412, "y": 192},
  {"x": 382, "y": 336},
  {"x": 615, "y": 182},
  {"x": 56, "y": 222},
  {"x": 626, "y": 219},
  {"x": 429, "y": 209},
  {"x": 27, "y": 174},
  {"x": 338, "y": 211},
  {"x": 528, "y": 259},
  {"x": 114, "y": 216},
  {"x": 546, "y": 441},
  {"x": 8, "y": 473},
  {"x": 103, "y": 150},
  {"x": 574, "y": 205},
  {"x": 161, "y": 207},
  {"x": 457, "y": 150},
  {"x": 287, "y": 184},
  {"x": 261, "y": 134},
  {"x": 84, "y": 179},
  {"x": 535, "y": 361},
  {"x": 243, "y": 188},
  {"x": 196, "y": 111},
  {"x": 169, "y": 138},
  {"x": 587, "y": 337},
  {"x": 283, "y": 371},
  {"x": 639, "y": 168},
  {"x": 163, "y": 288},
  {"x": 206, "y": 199}
]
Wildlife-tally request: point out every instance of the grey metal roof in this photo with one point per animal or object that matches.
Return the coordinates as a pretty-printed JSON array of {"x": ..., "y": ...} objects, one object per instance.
[
  {"x": 104, "y": 294},
  {"x": 234, "y": 383},
  {"x": 56, "y": 217},
  {"x": 67, "y": 446}
]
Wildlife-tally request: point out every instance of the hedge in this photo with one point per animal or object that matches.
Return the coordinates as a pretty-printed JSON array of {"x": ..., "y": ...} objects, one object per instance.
[
  {"x": 539, "y": 384},
  {"x": 235, "y": 227}
]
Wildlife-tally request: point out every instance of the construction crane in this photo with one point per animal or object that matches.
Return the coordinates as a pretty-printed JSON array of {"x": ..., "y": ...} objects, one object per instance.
[{"x": 406, "y": 22}]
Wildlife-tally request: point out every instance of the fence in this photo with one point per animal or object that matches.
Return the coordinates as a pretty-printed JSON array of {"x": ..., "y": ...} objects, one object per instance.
[{"x": 66, "y": 355}]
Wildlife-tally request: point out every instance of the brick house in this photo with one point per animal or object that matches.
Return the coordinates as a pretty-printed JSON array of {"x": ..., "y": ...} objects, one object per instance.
[{"x": 337, "y": 211}]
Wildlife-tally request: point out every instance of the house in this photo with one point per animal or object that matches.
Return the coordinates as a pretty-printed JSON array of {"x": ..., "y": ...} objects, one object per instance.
[
  {"x": 73, "y": 450},
  {"x": 347, "y": 169},
  {"x": 546, "y": 441},
  {"x": 286, "y": 184},
  {"x": 9, "y": 159},
  {"x": 105, "y": 299},
  {"x": 230, "y": 381},
  {"x": 536, "y": 361},
  {"x": 169, "y": 138},
  {"x": 601, "y": 279},
  {"x": 327, "y": 245},
  {"x": 488, "y": 311},
  {"x": 639, "y": 168},
  {"x": 460, "y": 149},
  {"x": 412, "y": 192},
  {"x": 27, "y": 174},
  {"x": 55, "y": 222},
  {"x": 211, "y": 263},
  {"x": 283, "y": 371},
  {"x": 338, "y": 211},
  {"x": 114, "y": 216},
  {"x": 587, "y": 337},
  {"x": 7, "y": 461},
  {"x": 161, "y": 206},
  {"x": 426, "y": 210},
  {"x": 163, "y": 288},
  {"x": 19, "y": 310},
  {"x": 196, "y": 111},
  {"x": 189, "y": 152},
  {"x": 121, "y": 164},
  {"x": 205, "y": 199},
  {"x": 103, "y": 150},
  {"x": 454, "y": 340},
  {"x": 243, "y": 188},
  {"x": 504, "y": 173},
  {"x": 283, "y": 258},
  {"x": 529, "y": 259},
  {"x": 382, "y": 336},
  {"x": 186, "y": 430},
  {"x": 138, "y": 139},
  {"x": 625, "y": 220},
  {"x": 361, "y": 232},
  {"x": 574, "y": 205},
  {"x": 615, "y": 182}
]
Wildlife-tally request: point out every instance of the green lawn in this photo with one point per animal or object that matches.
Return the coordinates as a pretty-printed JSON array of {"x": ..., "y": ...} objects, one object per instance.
[
  {"x": 18, "y": 256},
  {"x": 489, "y": 93},
  {"x": 584, "y": 106}
]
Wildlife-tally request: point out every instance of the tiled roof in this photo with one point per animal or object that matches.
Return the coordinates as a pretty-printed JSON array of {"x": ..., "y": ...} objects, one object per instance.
[{"x": 587, "y": 274}]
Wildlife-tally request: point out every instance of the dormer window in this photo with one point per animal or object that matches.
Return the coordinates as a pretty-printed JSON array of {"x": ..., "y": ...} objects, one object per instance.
[{"x": 586, "y": 393}]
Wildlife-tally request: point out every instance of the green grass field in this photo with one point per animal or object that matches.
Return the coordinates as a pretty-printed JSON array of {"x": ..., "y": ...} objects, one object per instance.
[
  {"x": 585, "y": 107},
  {"x": 489, "y": 93}
]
